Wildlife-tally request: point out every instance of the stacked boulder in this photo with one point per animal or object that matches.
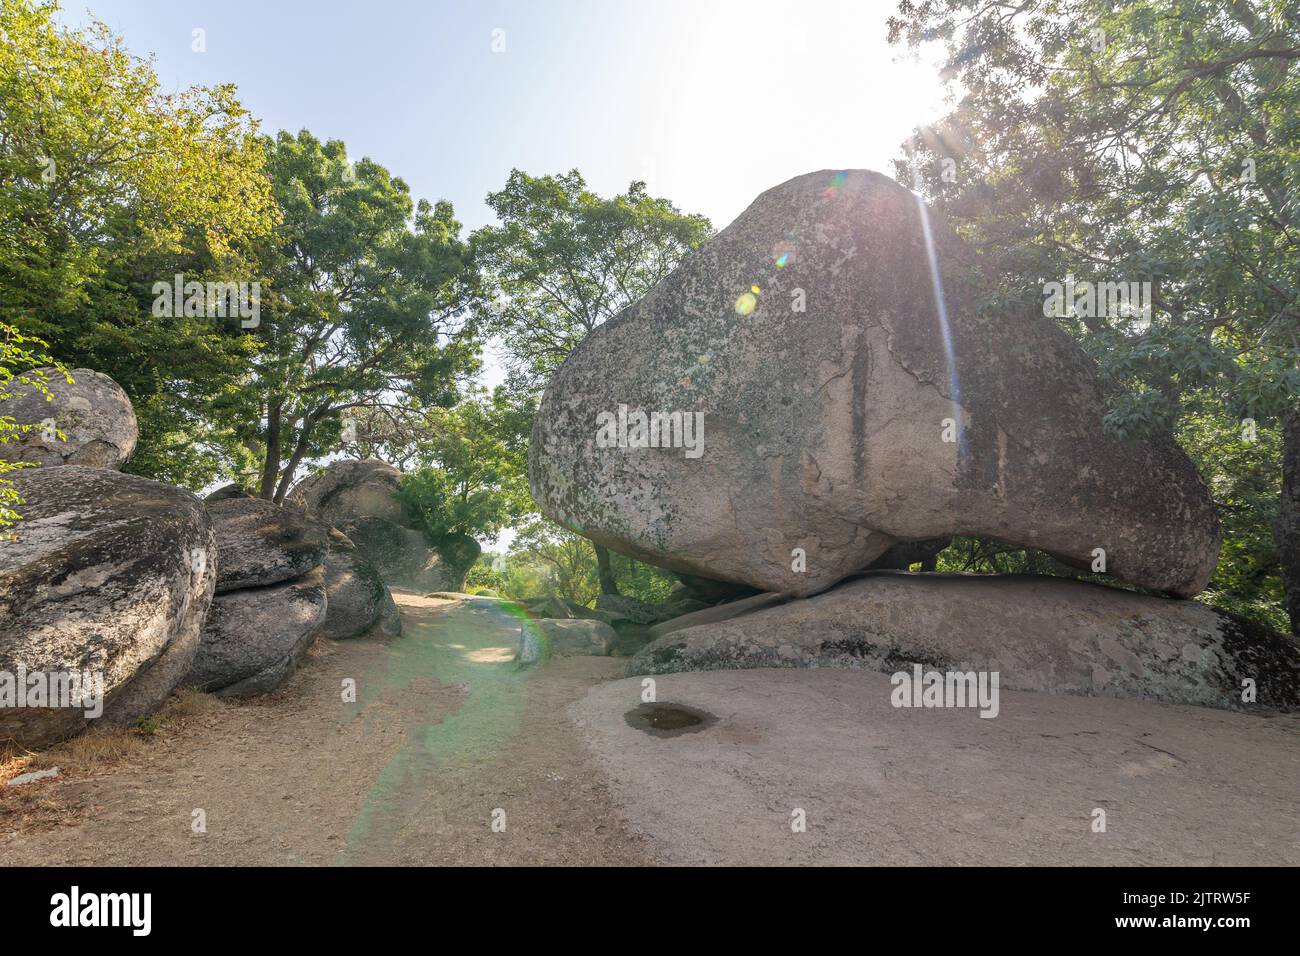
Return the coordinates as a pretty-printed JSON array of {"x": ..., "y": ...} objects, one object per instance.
[
  {"x": 851, "y": 408},
  {"x": 839, "y": 405},
  {"x": 359, "y": 600},
  {"x": 360, "y": 499},
  {"x": 1038, "y": 633},
  {"x": 107, "y": 578},
  {"x": 284, "y": 580},
  {"x": 271, "y": 597},
  {"x": 89, "y": 421}
]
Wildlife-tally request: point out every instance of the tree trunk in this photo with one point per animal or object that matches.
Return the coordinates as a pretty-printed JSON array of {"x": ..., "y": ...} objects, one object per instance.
[
  {"x": 271, "y": 463},
  {"x": 607, "y": 583},
  {"x": 299, "y": 451},
  {"x": 1287, "y": 531}
]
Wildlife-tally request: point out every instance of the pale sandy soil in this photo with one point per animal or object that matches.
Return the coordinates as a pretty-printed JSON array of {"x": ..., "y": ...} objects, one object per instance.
[
  {"x": 445, "y": 731},
  {"x": 880, "y": 785}
]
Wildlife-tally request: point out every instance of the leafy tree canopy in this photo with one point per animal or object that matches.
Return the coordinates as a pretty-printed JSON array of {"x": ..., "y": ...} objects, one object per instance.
[
  {"x": 365, "y": 292},
  {"x": 110, "y": 185},
  {"x": 1154, "y": 141}
]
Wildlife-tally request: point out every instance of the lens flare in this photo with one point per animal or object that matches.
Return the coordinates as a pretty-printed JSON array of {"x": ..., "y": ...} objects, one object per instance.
[
  {"x": 837, "y": 181},
  {"x": 941, "y": 311}
]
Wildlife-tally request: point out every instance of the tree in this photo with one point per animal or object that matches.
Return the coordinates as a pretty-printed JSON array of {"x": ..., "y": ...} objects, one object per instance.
[
  {"x": 547, "y": 560},
  {"x": 472, "y": 474},
  {"x": 365, "y": 292},
  {"x": 107, "y": 185},
  {"x": 562, "y": 260},
  {"x": 1154, "y": 141}
]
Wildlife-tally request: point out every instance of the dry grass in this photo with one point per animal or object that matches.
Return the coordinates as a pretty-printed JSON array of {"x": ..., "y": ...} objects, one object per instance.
[
  {"x": 320, "y": 649},
  {"x": 101, "y": 748},
  {"x": 43, "y": 805}
]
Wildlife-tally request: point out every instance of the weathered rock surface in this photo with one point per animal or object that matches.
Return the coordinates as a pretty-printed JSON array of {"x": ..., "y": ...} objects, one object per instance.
[
  {"x": 676, "y": 607},
  {"x": 719, "y": 613},
  {"x": 713, "y": 592},
  {"x": 260, "y": 543},
  {"x": 572, "y": 636},
  {"x": 93, "y": 413},
  {"x": 1041, "y": 634},
  {"x": 360, "y": 498},
  {"x": 348, "y": 490},
  {"x": 551, "y": 606},
  {"x": 824, "y": 429},
  {"x": 903, "y": 555},
  {"x": 544, "y": 638},
  {"x": 226, "y": 492},
  {"x": 358, "y": 597},
  {"x": 627, "y": 609},
  {"x": 404, "y": 557},
  {"x": 254, "y": 638},
  {"x": 882, "y": 785},
  {"x": 107, "y": 573}
]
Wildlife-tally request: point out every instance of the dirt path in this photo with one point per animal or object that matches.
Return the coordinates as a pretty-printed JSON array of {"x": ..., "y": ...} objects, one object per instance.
[{"x": 445, "y": 731}]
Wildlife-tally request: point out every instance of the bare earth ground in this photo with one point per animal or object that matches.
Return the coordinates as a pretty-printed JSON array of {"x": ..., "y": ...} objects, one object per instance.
[
  {"x": 446, "y": 731},
  {"x": 879, "y": 785}
]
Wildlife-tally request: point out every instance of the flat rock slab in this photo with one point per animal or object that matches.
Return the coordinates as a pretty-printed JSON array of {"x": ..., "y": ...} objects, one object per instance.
[
  {"x": 884, "y": 785},
  {"x": 1039, "y": 633}
]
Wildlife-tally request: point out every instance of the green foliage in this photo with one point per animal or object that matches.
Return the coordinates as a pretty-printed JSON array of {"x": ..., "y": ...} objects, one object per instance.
[
  {"x": 1170, "y": 155},
  {"x": 366, "y": 288},
  {"x": 1242, "y": 466},
  {"x": 472, "y": 477},
  {"x": 546, "y": 560},
  {"x": 23, "y": 363},
  {"x": 1151, "y": 141},
  {"x": 109, "y": 185},
  {"x": 485, "y": 576},
  {"x": 563, "y": 260}
]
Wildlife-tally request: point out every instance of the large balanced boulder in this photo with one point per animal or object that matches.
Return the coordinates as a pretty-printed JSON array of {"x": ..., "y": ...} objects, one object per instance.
[
  {"x": 360, "y": 498},
  {"x": 359, "y": 600},
  {"x": 94, "y": 416},
  {"x": 1039, "y": 633},
  {"x": 254, "y": 638},
  {"x": 106, "y": 574},
  {"x": 819, "y": 393},
  {"x": 260, "y": 543}
]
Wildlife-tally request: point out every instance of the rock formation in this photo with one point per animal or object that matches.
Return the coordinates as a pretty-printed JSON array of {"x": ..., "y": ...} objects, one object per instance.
[
  {"x": 259, "y": 543},
  {"x": 109, "y": 574},
  {"x": 815, "y": 385},
  {"x": 360, "y": 498},
  {"x": 95, "y": 416},
  {"x": 358, "y": 597},
  {"x": 1042, "y": 634},
  {"x": 255, "y": 637}
]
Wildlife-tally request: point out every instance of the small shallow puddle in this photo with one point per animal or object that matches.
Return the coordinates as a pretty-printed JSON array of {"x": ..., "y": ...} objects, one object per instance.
[{"x": 668, "y": 720}]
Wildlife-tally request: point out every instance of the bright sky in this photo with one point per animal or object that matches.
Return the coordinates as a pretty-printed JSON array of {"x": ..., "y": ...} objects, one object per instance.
[{"x": 710, "y": 102}]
